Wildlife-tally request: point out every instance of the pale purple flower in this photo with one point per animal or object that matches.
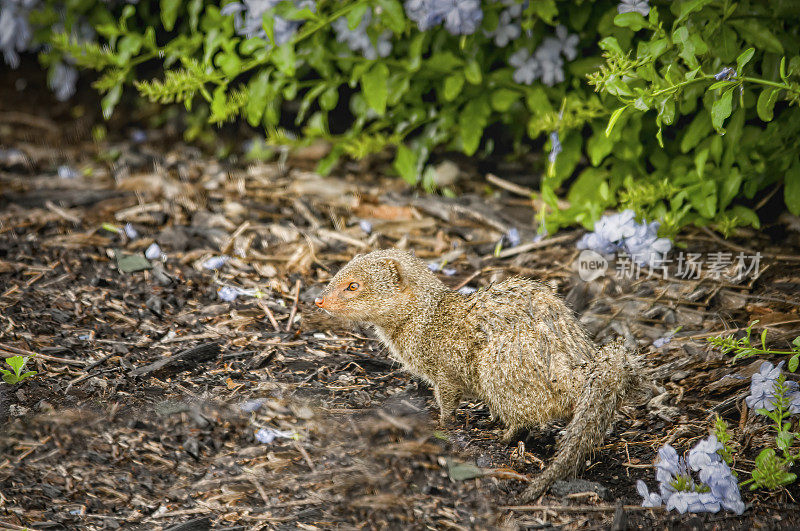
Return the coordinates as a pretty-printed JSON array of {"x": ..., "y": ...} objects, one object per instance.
[
  {"x": 62, "y": 80},
  {"x": 630, "y": 6},
  {"x": 216, "y": 262},
  {"x": 693, "y": 502},
  {"x": 508, "y": 28},
  {"x": 138, "y": 136},
  {"x": 704, "y": 453},
  {"x": 650, "y": 499},
  {"x": 512, "y": 237},
  {"x": 555, "y": 147},
  {"x": 621, "y": 232},
  {"x": 467, "y": 290},
  {"x": 567, "y": 43},
  {"x": 130, "y": 232},
  {"x": 251, "y": 405},
  {"x": 725, "y": 73},
  {"x": 663, "y": 340},
  {"x": 358, "y": 40},
  {"x": 460, "y": 17},
  {"x": 527, "y": 68},
  {"x": 153, "y": 252},
  {"x": 723, "y": 484},
  {"x": 669, "y": 465},
  {"x": 267, "y": 435},
  {"x": 718, "y": 486},
  {"x": 421, "y": 12},
  {"x": 365, "y": 225},
  {"x": 449, "y": 271},
  {"x": 248, "y": 18},
  {"x": 762, "y": 387},
  {"x": 15, "y": 30},
  {"x": 227, "y": 293},
  {"x": 66, "y": 172}
]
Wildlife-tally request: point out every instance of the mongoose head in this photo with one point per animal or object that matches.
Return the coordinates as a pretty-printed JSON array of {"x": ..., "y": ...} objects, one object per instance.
[{"x": 378, "y": 287}]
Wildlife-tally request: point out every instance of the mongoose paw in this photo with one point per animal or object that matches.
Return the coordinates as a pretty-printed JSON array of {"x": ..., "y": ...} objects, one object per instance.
[{"x": 510, "y": 434}]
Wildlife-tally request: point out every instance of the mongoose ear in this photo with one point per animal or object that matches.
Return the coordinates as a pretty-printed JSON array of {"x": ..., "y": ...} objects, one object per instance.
[{"x": 396, "y": 271}]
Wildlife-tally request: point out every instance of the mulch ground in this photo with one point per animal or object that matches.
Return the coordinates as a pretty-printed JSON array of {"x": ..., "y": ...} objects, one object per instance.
[{"x": 151, "y": 390}]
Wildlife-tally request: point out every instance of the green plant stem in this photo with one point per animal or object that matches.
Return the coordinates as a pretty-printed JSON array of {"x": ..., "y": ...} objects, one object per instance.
[
  {"x": 771, "y": 84},
  {"x": 682, "y": 84}
]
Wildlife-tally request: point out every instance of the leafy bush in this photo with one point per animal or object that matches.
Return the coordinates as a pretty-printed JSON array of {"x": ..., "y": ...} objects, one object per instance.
[{"x": 500, "y": 76}]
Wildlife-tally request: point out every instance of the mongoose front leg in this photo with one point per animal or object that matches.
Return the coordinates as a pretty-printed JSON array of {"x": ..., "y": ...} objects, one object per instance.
[
  {"x": 447, "y": 396},
  {"x": 510, "y": 434}
]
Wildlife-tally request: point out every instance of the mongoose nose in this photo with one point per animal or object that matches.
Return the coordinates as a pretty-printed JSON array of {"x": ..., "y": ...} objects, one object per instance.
[{"x": 319, "y": 301}]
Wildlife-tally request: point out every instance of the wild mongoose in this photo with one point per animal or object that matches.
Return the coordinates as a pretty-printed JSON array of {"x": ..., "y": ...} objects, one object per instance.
[{"x": 513, "y": 345}]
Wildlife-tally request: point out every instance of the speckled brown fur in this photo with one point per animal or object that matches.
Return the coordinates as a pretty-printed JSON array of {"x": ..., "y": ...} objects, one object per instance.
[{"x": 514, "y": 345}]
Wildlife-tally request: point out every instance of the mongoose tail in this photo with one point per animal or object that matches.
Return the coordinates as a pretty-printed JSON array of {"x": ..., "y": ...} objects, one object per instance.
[{"x": 614, "y": 373}]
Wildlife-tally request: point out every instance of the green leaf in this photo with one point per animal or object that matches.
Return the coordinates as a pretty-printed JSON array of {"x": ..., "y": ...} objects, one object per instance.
[
  {"x": 473, "y": 72},
  {"x": 613, "y": 120},
  {"x": 727, "y": 44},
  {"x": 633, "y": 20},
  {"x": 283, "y": 57},
  {"x": 747, "y": 215},
  {"x": 791, "y": 190},
  {"x": 474, "y": 117},
  {"x": 757, "y": 34},
  {"x": 794, "y": 361},
  {"x": 443, "y": 62},
  {"x": 169, "y": 13},
  {"x": 598, "y": 147},
  {"x": 405, "y": 162},
  {"x": 503, "y": 99},
  {"x": 452, "y": 86},
  {"x": 689, "y": 7},
  {"x": 721, "y": 110},
  {"x": 743, "y": 59},
  {"x": 355, "y": 15},
  {"x": 766, "y": 103},
  {"x": 110, "y": 101},
  {"x": 544, "y": 9},
  {"x": 374, "y": 86},
  {"x": 697, "y": 131},
  {"x": 729, "y": 187},
  {"x": 393, "y": 15},
  {"x": 537, "y": 101},
  {"x": 229, "y": 63},
  {"x": 257, "y": 98},
  {"x": 329, "y": 98},
  {"x": 610, "y": 44},
  {"x": 17, "y": 363}
]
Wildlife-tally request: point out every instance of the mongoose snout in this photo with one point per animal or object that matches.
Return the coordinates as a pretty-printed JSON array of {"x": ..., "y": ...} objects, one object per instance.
[{"x": 514, "y": 345}]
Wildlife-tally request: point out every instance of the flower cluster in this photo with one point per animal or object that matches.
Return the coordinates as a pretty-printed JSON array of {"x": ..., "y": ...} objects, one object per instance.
[
  {"x": 546, "y": 62},
  {"x": 249, "y": 16},
  {"x": 762, "y": 389},
  {"x": 620, "y": 232},
  {"x": 634, "y": 6},
  {"x": 717, "y": 486},
  {"x": 358, "y": 40},
  {"x": 460, "y": 17},
  {"x": 15, "y": 30}
]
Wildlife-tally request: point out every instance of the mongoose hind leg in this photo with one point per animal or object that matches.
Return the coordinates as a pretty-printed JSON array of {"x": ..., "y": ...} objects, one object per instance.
[{"x": 448, "y": 397}]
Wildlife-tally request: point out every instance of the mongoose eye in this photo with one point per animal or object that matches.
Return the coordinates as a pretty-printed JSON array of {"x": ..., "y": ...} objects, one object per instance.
[{"x": 352, "y": 286}]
